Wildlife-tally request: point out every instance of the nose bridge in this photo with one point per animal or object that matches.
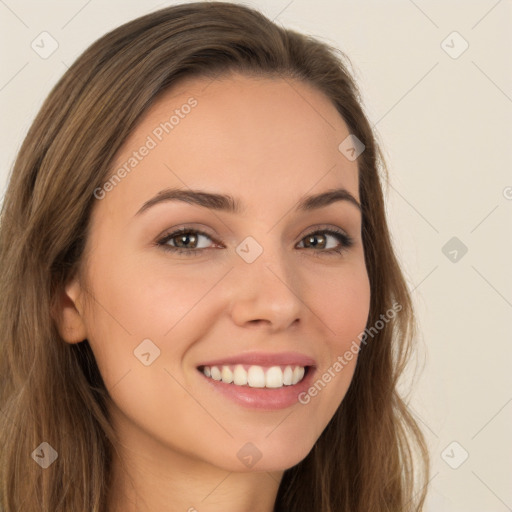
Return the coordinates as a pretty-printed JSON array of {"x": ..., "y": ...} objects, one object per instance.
[{"x": 265, "y": 288}]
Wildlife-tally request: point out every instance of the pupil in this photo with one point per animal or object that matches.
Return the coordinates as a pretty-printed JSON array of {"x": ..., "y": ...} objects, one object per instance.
[
  {"x": 311, "y": 238},
  {"x": 186, "y": 238}
]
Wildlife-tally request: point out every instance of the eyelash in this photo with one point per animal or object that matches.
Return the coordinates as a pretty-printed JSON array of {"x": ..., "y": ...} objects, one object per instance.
[{"x": 345, "y": 241}]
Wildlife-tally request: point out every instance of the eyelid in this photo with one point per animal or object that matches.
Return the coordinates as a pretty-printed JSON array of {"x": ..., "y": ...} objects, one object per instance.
[
  {"x": 322, "y": 227},
  {"x": 205, "y": 230},
  {"x": 194, "y": 226}
]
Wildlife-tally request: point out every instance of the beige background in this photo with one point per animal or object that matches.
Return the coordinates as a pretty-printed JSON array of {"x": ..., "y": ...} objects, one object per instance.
[{"x": 446, "y": 127}]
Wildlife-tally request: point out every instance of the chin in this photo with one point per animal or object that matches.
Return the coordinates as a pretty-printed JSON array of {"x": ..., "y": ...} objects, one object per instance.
[{"x": 265, "y": 455}]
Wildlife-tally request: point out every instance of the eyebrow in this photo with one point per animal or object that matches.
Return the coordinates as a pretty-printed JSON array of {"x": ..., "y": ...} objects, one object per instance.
[{"x": 227, "y": 203}]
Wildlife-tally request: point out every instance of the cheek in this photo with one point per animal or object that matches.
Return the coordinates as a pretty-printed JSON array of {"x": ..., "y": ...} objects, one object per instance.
[
  {"x": 134, "y": 302},
  {"x": 145, "y": 299},
  {"x": 342, "y": 304},
  {"x": 135, "y": 328}
]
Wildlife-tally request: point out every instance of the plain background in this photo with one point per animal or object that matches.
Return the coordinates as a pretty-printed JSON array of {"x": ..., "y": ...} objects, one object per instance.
[{"x": 445, "y": 123}]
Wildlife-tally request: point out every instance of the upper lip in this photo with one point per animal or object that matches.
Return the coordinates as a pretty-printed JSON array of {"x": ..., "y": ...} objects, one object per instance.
[{"x": 264, "y": 359}]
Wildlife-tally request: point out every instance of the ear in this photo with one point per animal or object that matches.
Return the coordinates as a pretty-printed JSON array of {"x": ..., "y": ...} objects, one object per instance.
[{"x": 67, "y": 312}]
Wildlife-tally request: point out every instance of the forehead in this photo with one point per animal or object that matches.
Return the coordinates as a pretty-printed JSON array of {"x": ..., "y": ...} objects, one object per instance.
[{"x": 257, "y": 138}]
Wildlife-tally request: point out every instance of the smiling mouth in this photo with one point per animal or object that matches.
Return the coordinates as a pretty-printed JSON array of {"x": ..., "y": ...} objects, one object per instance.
[{"x": 255, "y": 376}]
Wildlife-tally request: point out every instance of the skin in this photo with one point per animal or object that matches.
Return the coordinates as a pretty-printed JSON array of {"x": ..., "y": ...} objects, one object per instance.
[{"x": 268, "y": 142}]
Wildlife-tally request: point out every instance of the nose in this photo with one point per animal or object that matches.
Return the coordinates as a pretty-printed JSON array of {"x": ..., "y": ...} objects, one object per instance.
[{"x": 265, "y": 292}]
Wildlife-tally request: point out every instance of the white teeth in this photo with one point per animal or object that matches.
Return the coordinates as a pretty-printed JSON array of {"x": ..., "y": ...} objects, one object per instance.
[
  {"x": 240, "y": 375},
  {"x": 274, "y": 377},
  {"x": 227, "y": 375},
  {"x": 298, "y": 373},
  {"x": 215, "y": 372},
  {"x": 256, "y": 376},
  {"x": 288, "y": 376}
]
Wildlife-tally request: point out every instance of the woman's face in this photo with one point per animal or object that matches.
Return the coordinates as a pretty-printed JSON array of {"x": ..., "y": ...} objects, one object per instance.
[{"x": 265, "y": 281}]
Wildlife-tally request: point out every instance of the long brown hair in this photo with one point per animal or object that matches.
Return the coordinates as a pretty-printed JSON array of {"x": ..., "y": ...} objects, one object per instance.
[{"x": 370, "y": 457}]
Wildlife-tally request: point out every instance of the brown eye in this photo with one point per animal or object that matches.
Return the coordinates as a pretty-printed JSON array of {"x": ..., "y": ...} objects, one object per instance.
[
  {"x": 184, "y": 241},
  {"x": 319, "y": 239}
]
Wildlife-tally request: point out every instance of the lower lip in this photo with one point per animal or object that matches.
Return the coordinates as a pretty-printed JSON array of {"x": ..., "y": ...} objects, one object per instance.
[{"x": 269, "y": 399}]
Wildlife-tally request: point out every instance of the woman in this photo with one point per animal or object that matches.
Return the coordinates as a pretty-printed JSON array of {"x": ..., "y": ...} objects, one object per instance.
[{"x": 201, "y": 305}]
